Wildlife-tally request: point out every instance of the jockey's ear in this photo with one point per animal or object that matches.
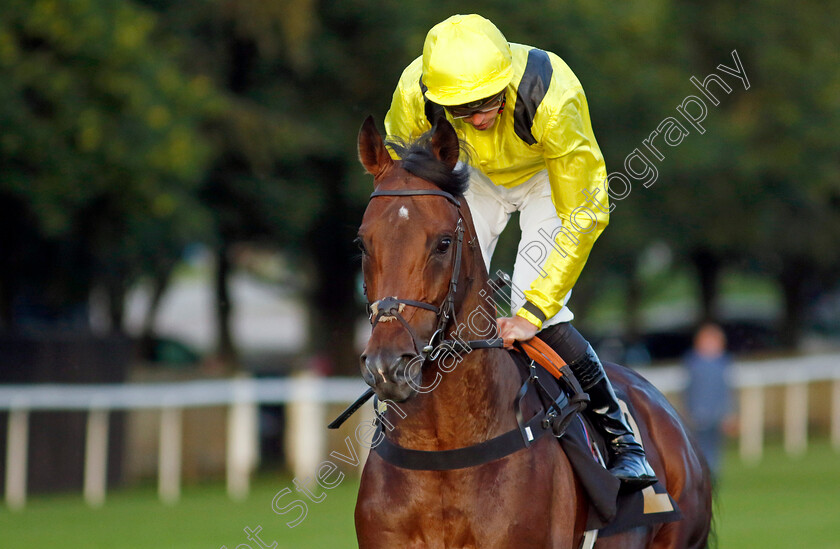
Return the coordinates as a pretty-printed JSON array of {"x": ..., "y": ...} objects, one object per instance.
[
  {"x": 445, "y": 144},
  {"x": 372, "y": 152}
]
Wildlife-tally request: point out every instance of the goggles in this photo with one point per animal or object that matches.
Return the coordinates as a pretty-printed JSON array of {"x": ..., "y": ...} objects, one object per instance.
[{"x": 482, "y": 105}]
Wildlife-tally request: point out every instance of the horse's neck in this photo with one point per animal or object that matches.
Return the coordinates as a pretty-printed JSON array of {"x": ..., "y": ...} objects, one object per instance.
[
  {"x": 469, "y": 404},
  {"x": 469, "y": 397}
]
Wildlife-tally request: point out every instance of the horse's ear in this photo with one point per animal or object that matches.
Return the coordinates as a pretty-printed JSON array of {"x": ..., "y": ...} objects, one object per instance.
[
  {"x": 372, "y": 152},
  {"x": 445, "y": 144}
]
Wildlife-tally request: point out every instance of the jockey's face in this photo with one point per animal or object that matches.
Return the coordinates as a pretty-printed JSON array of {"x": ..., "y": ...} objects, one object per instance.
[
  {"x": 483, "y": 120},
  {"x": 480, "y": 114}
]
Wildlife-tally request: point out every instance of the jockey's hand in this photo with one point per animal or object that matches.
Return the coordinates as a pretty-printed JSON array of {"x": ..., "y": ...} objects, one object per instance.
[{"x": 515, "y": 328}]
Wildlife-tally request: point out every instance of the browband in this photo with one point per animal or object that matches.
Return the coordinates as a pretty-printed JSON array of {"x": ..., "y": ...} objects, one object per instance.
[{"x": 417, "y": 192}]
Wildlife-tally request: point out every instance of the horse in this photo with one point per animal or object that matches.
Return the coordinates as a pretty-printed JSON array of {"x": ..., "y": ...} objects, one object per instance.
[{"x": 426, "y": 281}]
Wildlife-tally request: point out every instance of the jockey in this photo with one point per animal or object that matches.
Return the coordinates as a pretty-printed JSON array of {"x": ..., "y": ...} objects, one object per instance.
[{"x": 525, "y": 118}]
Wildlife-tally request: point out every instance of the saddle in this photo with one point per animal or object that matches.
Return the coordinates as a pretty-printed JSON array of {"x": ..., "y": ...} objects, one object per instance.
[
  {"x": 573, "y": 432},
  {"x": 611, "y": 511},
  {"x": 564, "y": 398}
]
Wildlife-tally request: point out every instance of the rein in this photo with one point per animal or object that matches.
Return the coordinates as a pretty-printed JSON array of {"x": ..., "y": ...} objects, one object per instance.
[{"x": 554, "y": 416}]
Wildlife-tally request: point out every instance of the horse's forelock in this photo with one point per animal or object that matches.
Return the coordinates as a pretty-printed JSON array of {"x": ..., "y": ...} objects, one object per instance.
[{"x": 419, "y": 160}]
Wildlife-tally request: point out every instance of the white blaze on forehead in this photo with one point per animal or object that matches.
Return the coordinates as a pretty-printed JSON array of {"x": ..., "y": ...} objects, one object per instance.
[{"x": 403, "y": 212}]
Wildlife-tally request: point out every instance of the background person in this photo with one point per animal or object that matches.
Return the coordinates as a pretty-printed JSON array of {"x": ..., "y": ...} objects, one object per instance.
[{"x": 708, "y": 398}]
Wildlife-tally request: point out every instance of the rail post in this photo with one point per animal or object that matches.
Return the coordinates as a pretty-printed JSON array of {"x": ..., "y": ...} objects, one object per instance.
[
  {"x": 17, "y": 446},
  {"x": 169, "y": 454},
  {"x": 96, "y": 457},
  {"x": 752, "y": 423},
  {"x": 306, "y": 420},
  {"x": 242, "y": 438},
  {"x": 796, "y": 418}
]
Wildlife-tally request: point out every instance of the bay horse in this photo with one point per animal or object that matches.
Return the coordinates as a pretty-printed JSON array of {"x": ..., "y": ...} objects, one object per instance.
[{"x": 425, "y": 280}]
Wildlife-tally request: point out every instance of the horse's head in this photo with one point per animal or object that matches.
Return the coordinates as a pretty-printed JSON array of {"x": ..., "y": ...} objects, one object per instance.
[{"x": 411, "y": 239}]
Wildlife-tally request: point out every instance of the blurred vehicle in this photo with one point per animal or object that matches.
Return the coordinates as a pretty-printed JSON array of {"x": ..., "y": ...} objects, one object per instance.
[
  {"x": 744, "y": 336},
  {"x": 169, "y": 352}
]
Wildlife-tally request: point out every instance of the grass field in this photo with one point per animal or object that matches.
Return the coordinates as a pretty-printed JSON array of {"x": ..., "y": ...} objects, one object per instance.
[{"x": 782, "y": 503}]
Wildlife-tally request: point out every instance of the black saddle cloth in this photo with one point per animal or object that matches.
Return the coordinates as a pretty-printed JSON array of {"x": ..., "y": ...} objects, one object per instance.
[{"x": 611, "y": 511}]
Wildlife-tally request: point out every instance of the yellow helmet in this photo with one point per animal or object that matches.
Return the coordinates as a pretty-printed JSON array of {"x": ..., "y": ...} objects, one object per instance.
[{"x": 465, "y": 58}]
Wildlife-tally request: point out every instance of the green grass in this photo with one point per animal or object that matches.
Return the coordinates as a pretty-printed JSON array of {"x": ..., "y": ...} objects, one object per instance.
[
  {"x": 781, "y": 503},
  {"x": 204, "y": 518}
]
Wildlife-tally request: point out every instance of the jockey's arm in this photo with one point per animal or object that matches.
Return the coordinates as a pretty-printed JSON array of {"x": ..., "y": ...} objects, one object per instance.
[
  {"x": 577, "y": 176},
  {"x": 406, "y": 118}
]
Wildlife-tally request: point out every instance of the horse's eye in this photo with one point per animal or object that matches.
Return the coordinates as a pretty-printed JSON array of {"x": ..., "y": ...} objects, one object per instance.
[
  {"x": 443, "y": 245},
  {"x": 361, "y": 244}
]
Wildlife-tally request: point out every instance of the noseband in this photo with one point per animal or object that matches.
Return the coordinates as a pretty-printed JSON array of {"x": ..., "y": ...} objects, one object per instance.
[{"x": 389, "y": 308}]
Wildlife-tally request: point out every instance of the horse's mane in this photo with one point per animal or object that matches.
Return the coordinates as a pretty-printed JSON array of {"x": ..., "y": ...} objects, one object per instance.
[{"x": 418, "y": 159}]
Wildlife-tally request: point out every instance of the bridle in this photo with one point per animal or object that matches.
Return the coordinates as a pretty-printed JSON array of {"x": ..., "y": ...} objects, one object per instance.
[{"x": 388, "y": 308}]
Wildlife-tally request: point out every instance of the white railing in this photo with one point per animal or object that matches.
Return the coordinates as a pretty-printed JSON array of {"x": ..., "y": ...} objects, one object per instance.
[
  {"x": 307, "y": 396},
  {"x": 752, "y": 378}
]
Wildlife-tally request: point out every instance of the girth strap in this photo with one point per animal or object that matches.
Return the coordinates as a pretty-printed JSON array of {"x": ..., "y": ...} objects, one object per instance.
[
  {"x": 558, "y": 411},
  {"x": 460, "y": 458}
]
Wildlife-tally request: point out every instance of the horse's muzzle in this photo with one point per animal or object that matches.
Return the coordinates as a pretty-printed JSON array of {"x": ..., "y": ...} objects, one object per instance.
[{"x": 393, "y": 377}]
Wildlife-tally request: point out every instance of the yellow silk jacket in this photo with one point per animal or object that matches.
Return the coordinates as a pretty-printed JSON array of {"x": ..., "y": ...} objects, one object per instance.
[{"x": 544, "y": 126}]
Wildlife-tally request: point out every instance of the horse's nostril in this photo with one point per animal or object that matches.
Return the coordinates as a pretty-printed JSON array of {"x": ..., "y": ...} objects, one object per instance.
[
  {"x": 382, "y": 367},
  {"x": 407, "y": 366}
]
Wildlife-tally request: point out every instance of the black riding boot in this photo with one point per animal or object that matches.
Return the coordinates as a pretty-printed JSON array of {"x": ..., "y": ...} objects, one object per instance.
[{"x": 627, "y": 457}]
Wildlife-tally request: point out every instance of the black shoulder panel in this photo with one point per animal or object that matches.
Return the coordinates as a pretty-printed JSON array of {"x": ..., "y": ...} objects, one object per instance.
[
  {"x": 531, "y": 92},
  {"x": 433, "y": 110}
]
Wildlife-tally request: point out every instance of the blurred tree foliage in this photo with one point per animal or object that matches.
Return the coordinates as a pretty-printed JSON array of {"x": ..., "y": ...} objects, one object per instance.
[
  {"x": 133, "y": 127},
  {"x": 99, "y": 157},
  {"x": 760, "y": 190},
  {"x": 299, "y": 78}
]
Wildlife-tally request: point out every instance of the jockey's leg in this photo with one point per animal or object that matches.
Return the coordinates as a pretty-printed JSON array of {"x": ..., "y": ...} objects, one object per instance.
[{"x": 627, "y": 457}]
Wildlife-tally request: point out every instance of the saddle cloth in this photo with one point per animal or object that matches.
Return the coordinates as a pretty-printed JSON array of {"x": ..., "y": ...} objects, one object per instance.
[{"x": 610, "y": 511}]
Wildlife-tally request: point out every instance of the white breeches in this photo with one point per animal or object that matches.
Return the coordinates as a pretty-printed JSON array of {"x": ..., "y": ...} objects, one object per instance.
[{"x": 491, "y": 208}]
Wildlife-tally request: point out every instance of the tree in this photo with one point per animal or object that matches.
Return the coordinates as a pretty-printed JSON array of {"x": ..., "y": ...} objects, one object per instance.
[
  {"x": 99, "y": 156},
  {"x": 299, "y": 79},
  {"x": 777, "y": 163}
]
